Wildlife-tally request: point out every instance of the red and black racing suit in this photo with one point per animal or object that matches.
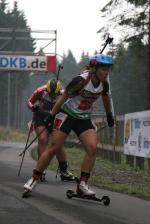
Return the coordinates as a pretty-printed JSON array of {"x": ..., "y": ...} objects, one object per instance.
[{"x": 45, "y": 101}]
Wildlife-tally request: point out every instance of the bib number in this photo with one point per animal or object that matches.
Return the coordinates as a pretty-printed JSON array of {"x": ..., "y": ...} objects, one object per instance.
[
  {"x": 59, "y": 120},
  {"x": 84, "y": 105}
]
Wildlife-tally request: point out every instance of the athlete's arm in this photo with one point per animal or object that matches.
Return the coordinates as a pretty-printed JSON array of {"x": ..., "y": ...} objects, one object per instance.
[
  {"x": 107, "y": 105},
  {"x": 106, "y": 102},
  {"x": 34, "y": 97},
  {"x": 61, "y": 99},
  {"x": 73, "y": 88},
  {"x": 106, "y": 98}
]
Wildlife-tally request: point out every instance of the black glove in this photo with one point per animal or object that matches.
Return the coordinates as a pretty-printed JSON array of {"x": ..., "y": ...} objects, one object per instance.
[
  {"x": 35, "y": 108},
  {"x": 110, "y": 119},
  {"x": 49, "y": 120}
]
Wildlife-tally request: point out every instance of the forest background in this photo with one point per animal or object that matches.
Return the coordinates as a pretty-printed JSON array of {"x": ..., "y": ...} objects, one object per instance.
[{"x": 129, "y": 79}]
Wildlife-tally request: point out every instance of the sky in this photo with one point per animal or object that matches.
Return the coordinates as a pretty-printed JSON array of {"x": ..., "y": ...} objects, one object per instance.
[{"x": 76, "y": 22}]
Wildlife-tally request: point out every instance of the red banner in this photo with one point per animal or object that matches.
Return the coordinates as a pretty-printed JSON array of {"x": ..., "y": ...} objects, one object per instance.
[{"x": 51, "y": 64}]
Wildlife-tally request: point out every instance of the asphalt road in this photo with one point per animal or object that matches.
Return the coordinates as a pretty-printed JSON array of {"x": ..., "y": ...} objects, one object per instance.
[{"x": 48, "y": 202}]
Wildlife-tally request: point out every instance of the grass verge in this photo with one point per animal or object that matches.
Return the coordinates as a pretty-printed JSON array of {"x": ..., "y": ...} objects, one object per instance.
[
  {"x": 106, "y": 175},
  {"x": 12, "y": 135}
]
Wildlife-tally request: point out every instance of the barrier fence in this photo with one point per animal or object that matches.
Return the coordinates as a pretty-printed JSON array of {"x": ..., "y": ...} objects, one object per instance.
[{"x": 111, "y": 143}]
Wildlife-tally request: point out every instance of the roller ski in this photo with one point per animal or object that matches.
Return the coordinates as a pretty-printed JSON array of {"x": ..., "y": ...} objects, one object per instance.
[
  {"x": 105, "y": 199},
  {"x": 83, "y": 192},
  {"x": 26, "y": 193}
]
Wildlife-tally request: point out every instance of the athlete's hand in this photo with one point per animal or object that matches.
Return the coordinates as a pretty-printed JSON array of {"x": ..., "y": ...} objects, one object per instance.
[
  {"x": 110, "y": 119},
  {"x": 35, "y": 108}
]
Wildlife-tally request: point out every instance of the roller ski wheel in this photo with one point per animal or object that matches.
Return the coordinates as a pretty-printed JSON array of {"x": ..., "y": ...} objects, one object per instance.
[
  {"x": 26, "y": 193},
  {"x": 69, "y": 194},
  {"x": 105, "y": 199}
]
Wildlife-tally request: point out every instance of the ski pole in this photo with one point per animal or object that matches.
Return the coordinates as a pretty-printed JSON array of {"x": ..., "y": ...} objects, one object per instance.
[
  {"x": 32, "y": 142},
  {"x": 29, "y": 134},
  {"x": 102, "y": 128},
  {"x": 24, "y": 151},
  {"x": 108, "y": 41},
  {"x": 27, "y": 140},
  {"x": 58, "y": 73},
  {"x": 26, "y": 147},
  {"x": 96, "y": 132}
]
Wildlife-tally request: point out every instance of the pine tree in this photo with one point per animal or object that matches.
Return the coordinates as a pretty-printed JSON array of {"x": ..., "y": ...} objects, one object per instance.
[
  {"x": 132, "y": 22},
  {"x": 12, "y": 20},
  {"x": 70, "y": 68}
]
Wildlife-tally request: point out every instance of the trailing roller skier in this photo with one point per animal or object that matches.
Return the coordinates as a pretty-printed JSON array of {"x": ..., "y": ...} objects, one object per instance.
[{"x": 40, "y": 103}]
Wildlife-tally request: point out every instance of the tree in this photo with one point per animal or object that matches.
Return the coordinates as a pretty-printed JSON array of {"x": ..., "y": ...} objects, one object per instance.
[
  {"x": 128, "y": 82},
  {"x": 12, "y": 20},
  {"x": 3, "y": 5},
  {"x": 133, "y": 25},
  {"x": 130, "y": 17},
  {"x": 84, "y": 60},
  {"x": 70, "y": 68}
]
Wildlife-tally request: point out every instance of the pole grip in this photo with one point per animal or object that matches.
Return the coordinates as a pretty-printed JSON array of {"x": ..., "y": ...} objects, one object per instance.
[{"x": 109, "y": 40}]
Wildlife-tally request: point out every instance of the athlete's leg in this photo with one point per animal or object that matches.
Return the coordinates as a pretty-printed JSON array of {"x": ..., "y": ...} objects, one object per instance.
[
  {"x": 57, "y": 143},
  {"x": 58, "y": 139},
  {"x": 63, "y": 168},
  {"x": 66, "y": 125},
  {"x": 89, "y": 141},
  {"x": 42, "y": 139},
  {"x": 61, "y": 155}
]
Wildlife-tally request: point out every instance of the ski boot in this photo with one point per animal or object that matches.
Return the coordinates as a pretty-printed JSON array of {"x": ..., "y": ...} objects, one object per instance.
[
  {"x": 31, "y": 183},
  {"x": 83, "y": 189},
  {"x": 84, "y": 192},
  {"x": 65, "y": 174},
  {"x": 29, "y": 186},
  {"x": 43, "y": 178}
]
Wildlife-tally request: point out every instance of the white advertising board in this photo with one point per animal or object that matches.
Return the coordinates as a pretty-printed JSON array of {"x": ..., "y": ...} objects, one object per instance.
[
  {"x": 137, "y": 134},
  {"x": 12, "y": 62}
]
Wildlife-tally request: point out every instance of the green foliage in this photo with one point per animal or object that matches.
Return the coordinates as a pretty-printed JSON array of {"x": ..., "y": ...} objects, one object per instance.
[
  {"x": 128, "y": 80},
  {"x": 138, "y": 2},
  {"x": 84, "y": 60},
  {"x": 131, "y": 73},
  {"x": 14, "y": 19},
  {"x": 137, "y": 17},
  {"x": 106, "y": 7},
  {"x": 70, "y": 68},
  {"x": 3, "y": 5},
  {"x": 105, "y": 174},
  {"x": 12, "y": 135}
]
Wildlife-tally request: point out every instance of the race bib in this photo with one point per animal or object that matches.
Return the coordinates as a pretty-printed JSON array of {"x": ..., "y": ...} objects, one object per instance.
[
  {"x": 59, "y": 120},
  {"x": 84, "y": 105}
]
